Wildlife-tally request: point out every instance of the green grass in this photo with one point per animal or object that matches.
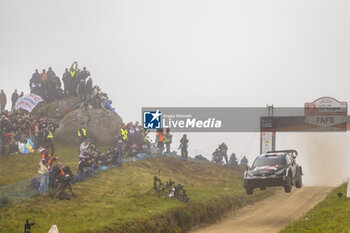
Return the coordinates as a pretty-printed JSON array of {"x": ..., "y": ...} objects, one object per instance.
[
  {"x": 116, "y": 200},
  {"x": 330, "y": 215}
]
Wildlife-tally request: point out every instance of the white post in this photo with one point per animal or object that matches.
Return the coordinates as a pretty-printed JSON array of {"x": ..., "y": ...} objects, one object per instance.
[{"x": 348, "y": 189}]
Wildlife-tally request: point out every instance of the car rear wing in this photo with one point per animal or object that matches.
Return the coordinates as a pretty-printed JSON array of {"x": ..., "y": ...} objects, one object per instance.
[{"x": 293, "y": 153}]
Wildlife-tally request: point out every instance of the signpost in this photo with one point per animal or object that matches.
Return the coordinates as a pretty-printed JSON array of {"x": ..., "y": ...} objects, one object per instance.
[{"x": 322, "y": 115}]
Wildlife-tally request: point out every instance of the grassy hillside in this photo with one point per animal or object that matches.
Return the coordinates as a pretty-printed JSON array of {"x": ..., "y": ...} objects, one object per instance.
[
  {"x": 331, "y": 215},
  {"x": 117, "y": 201}
]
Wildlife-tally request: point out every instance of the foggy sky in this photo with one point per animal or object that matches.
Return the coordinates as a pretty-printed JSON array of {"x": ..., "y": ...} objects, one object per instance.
[{"x": 198, "y": 53}]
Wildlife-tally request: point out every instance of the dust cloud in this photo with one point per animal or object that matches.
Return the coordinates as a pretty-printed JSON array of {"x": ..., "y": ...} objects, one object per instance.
[{"x": 324, "y": 157}]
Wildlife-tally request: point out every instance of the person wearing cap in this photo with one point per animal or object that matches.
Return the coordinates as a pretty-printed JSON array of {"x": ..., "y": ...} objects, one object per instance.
[{"x": 44, "y": 176}]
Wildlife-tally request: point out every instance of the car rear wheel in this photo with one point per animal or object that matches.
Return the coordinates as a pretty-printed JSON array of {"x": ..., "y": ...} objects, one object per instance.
[
  {"x": 288, "y": 185},
  {"x": 249, "y": 190}
]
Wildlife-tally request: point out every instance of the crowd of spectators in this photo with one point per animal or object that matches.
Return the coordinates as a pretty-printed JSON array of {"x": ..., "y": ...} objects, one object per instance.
[
  {"x": 131, "y": 141},
  {"x": 16, "y": 127},
  {"x": 75, "y": 83}
]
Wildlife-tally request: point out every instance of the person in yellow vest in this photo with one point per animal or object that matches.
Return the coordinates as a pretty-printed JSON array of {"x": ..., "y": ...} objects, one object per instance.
[
  {"x": 145, "y": 133},
  {"x": 124, "y": 132},
  {"x": 48, "y": 137},
  {"x": 82, "y": 134}
]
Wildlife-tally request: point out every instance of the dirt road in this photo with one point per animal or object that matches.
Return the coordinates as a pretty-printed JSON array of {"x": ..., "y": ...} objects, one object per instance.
[{"x": 270, "y": 215}]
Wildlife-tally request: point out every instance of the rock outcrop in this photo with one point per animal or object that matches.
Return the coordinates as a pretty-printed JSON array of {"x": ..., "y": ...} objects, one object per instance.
[
  {"x": 57, "y": 109},
  {"x": 102, "y": 125}
]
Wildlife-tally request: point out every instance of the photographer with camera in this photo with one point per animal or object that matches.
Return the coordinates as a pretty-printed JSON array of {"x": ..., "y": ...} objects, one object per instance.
[{"x": 64, "y": 179}]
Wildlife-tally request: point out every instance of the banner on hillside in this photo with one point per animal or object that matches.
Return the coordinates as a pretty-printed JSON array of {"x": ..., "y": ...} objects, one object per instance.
[{"x": 28, "y": 102}]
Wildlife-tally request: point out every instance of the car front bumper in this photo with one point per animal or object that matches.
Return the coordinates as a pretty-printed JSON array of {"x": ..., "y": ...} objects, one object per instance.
[{"x": 265, "y": 181}]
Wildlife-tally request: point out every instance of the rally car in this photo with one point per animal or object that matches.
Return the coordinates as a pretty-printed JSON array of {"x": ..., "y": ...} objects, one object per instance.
[{"x": 275, "y": 168}]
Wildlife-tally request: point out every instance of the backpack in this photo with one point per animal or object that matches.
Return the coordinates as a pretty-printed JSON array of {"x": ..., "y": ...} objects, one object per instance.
[{"x": 34, "y": 183}]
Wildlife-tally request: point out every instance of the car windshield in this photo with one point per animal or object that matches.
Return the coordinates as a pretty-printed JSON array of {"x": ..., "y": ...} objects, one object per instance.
[{"x": 268, "y": 161}]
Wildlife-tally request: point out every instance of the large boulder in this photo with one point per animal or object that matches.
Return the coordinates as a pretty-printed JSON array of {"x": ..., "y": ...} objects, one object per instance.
[
  {"x": 57, "y": 109},
  {"x": 102, "y": 126}
]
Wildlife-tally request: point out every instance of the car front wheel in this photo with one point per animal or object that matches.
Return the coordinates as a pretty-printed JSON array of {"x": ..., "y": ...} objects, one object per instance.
[
  {"x": 288, "y": 185},
  {"x": 249, "y": 190}
]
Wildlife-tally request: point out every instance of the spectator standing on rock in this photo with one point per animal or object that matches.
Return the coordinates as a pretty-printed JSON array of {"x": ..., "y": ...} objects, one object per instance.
[
  {"x": 14, "y": 98},
  {"x": 51, "y": 74},
  {"x": 43, "y": 83},
  {"x": 81, "y": 90},
  {"x": 168, "y": 140},
  {"x": 3, "y": 100},
  {"x": 184, "y": 146},
  {"x": 88, "y": 90},
  {"x": 84, "y": 74},
  {"x": 21, "y": 95},
  {"x": 67, "y": 82},
  {"x": 43, "y": 78},
  {"x": 35, "y": 80}
]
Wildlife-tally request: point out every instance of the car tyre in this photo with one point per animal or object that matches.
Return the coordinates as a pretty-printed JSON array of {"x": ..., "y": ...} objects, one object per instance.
[
  {"x": 288, "y": 185},
  {"x": 249, "y": 190},
  {"x": 299, "y": 183}
]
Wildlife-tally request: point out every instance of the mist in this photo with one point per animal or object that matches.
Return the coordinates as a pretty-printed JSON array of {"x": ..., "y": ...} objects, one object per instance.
[{"x": 324, "y": 158}]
